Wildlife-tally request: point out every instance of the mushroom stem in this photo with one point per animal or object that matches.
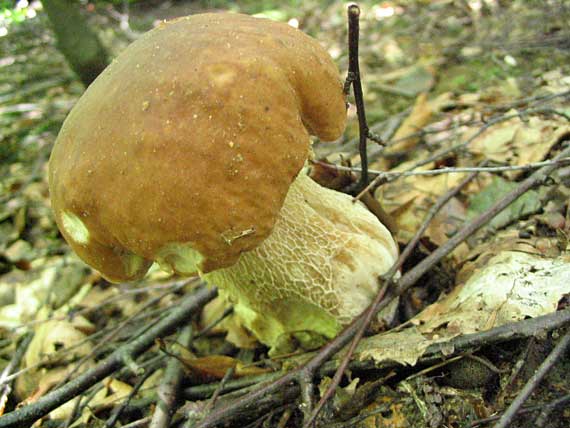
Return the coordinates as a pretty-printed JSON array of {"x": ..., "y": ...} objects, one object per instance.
[{"x": 317, "y": 270}]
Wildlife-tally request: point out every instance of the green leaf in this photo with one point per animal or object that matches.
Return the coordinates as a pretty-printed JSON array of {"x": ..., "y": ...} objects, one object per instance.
[{"x": 527, "y": 204}]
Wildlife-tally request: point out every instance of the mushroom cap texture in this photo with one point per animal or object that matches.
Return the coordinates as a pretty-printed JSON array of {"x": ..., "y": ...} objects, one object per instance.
[{"x": 191, "y": 139}]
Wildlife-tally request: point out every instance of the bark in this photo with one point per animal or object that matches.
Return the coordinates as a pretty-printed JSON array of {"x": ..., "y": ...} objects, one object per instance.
[{"x": 75, "y": 39}]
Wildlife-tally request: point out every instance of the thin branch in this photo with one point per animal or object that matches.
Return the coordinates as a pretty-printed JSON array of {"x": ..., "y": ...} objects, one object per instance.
[
  {"x": 137, "y": 424},
  {"x": 527, "y": 409},
  {"x": 227, "y": 312},
  {"x": 489, "y": 124},
  {"x": 168, "y": 391},
  {"x": 534, "y": 381},
  {"x": 537, "y": 99},
  {"x": 80, "y": 404},
  {"x": 346, "y": 359},
  {"x": 444, "y": 199},
  {"x": 534, "y": 101},
  {"x": 47, "y": 359},
  {"x": 536, "y": 179},
  {"x": 204, "y": 391},
  {"x": 123, "y": 293},
  {"x": 227, "y": 376},
  {"x": 544, "y": 417},
  {"x": 5, "y": 383},
  {"x": 516, "y": 369},
  {"x": 224, "y": 412},
  {"x": 388, "y": 176},
  {"x": 118, "y": 411},
  {"x": 354, "y": 78},
  {"x": 434, "y": 354},
  {"x": 113, "y": 333},
  {"x": 439, "y": 204},
  {"x": 187, "y": 307}
]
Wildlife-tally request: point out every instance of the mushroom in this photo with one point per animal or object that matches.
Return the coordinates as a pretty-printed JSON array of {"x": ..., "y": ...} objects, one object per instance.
[{"x": 188, "y": 151}]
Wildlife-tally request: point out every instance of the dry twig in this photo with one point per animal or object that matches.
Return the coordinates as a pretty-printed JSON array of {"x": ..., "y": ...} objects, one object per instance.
[
  {"x": 534, "y": 381},
  {"x": 168, "y": 391},
  {"x": 5, "y": 382},
  {"x": 304, "y": 374},
  {"x": 353, "y": 79},
  {"x": 433, "y": 354},
  {"x": 121, "y": 357}
]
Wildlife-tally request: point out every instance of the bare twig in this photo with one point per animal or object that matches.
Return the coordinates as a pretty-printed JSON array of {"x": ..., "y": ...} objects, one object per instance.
[
  {"x": 120, "y": 409},
  {"x": 387, "y": 279},
  {"x": 227, "y": 312},
  {"x": 225, "y": 411},
  {"x": 543, "y": 418},
  {"x": 204, "y": 391},
  {"x": 113, "y": 333},
  {"x": 346, "y": 359},
  {"x": 123, "y": 294},
  {"x": 5, "y": 383},
  {"x": 516, "y": 369},
  {"x": 80, "y": 404},
  {"x": 285, "y": 416},
  {"x": 533, "y": 103},
  {"x": 388, "y": 176},
  {"x": 168, "y": 391},
  {"x": 434, "y": 354},
  {"x": 536, "y": 99},
  {"x": 460, "y": 146},
  {"x": 547, "y": 407},
  {"x": 47, "y": 359},
  {"x": 227, "y": 376},
  {"x": 137, "y": 424},
  {"x": 382, "y": 408},
  {"x": 188, "y": 306},
  {"x": 354, "y": 79},
  {"x": 523, "y": 329},
  {"x": 534, "y": 381},
  {"x": 439, "y": 204}
]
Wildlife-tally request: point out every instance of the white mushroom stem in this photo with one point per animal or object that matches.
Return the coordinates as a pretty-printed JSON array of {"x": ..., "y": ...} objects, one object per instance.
[{"x": 317, "y": 270}]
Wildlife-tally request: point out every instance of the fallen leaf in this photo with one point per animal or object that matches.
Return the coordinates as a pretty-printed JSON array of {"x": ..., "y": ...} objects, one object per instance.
[
  {"x": 58, "y": 342},
  {"x": 525, "y": 205},
  {"x": 214, "y": 367},
  {"x": 517, "y": 141},
  {"x": 419, "y": 79},
  {"x": 509, "y": 287},
  {"x": 409, "y": 199},
  {"x": 418, "y": 118}
]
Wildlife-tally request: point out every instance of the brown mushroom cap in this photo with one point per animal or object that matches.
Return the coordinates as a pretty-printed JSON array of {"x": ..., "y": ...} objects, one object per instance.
[{"x": 188, "y": 142}]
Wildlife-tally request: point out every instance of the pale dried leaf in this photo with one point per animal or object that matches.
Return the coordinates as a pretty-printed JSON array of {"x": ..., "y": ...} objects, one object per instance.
[{"x": 508, "y": 288}]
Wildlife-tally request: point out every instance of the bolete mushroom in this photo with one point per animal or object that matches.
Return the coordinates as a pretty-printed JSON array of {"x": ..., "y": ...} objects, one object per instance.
[{"x": 188, "y": 151}]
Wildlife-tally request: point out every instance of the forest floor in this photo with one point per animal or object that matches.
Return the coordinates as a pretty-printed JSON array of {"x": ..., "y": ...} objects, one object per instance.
[{"x": 453, "y": 87}]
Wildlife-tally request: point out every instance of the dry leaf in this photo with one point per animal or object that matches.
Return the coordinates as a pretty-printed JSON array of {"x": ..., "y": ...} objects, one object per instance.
[
  {"x": 60, "y": 343},
  {"x": 214, "y": 367},
  {"x": 509, "y": 287},
  {"x": 113, "y": 393},
  {"x": 236, "y": 334},
  {"x": 519, "y": 142},
  {"x": 395, "y": 418},
  {"x": 418, "y": 118},
  {"x": 409, "y": 199}
]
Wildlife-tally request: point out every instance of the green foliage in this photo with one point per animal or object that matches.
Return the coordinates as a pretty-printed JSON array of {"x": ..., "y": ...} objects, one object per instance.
[
  {"x": 527, "y": 204},
  {"x": 13, "y": 12},
  {"x": 273, "y": 9}
]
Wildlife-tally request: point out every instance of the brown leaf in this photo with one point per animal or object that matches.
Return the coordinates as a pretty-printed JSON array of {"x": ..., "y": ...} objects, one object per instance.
[
  {"x": 214, "y": 367},
  {"x": 418, "y": 118}
]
